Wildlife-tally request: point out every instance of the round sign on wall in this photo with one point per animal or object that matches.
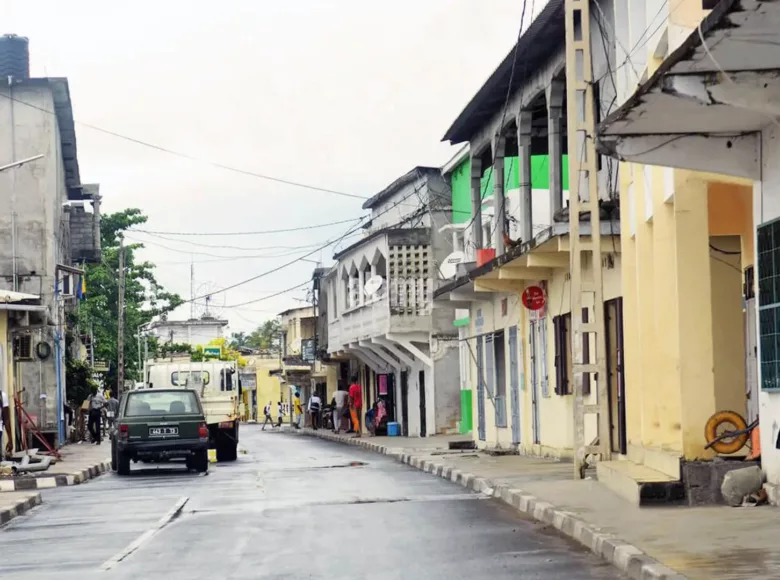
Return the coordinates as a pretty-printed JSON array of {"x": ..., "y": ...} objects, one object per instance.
[{"x": 533, "y": 298}]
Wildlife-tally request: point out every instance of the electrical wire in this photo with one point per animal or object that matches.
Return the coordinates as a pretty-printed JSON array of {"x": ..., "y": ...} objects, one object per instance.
[
  {"x": 227, "y": 247},
  {"x": 274, "y": 295},
  {"x": 191, "y": 157},
  {"x": 257, "y": 233}
]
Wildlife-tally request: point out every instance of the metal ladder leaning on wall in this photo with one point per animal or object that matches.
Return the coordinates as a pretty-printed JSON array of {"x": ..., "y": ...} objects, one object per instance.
[{"x": 585, "y": 255}]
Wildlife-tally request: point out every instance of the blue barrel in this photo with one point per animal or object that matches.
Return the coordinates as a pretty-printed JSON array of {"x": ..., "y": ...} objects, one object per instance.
[{"x": 393, "y": 429}]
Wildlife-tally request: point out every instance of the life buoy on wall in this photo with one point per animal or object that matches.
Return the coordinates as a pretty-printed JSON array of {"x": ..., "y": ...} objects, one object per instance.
[{"x": 43, "y": 350}]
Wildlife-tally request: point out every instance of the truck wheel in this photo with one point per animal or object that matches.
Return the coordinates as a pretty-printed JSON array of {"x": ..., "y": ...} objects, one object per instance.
[
  {"x": 123, "y": 464},
  {"x": 201, "y": 461},
  {"x": 227, "y": 450},
  {"x": 113, "y": 458}
]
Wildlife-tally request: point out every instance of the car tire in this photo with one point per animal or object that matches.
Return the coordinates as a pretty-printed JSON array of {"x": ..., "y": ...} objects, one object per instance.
[
  {"x": 114, "y": 466},
  {"x": 123, "y": 464}
]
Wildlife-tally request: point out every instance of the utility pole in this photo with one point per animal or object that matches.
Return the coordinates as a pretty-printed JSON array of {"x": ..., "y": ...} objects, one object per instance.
[{"x": 120, "y": 341}]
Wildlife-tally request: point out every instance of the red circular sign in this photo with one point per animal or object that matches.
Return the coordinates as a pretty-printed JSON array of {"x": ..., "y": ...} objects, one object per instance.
[{"x": 533, "y": 298}]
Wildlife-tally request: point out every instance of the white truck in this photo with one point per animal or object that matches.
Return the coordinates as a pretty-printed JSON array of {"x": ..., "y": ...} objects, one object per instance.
[{"x": 219, "y": 388}]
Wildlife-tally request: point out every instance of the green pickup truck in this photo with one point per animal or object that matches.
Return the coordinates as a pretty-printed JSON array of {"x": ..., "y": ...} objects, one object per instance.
[{"x": 157, "y": 425}]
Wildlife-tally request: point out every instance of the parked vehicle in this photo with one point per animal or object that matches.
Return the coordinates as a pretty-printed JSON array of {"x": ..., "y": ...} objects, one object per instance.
[
  {"x": 157, "y": 425},
  {"x": 217, "y": 385}
]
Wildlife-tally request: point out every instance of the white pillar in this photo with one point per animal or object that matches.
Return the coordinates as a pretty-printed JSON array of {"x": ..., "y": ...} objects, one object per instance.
[
  {"x": 499, "y": 205},
  {"x": 524, "y": 169},
  {"x": 555, "y": 114},
  {"x": 476, "y": 202}
]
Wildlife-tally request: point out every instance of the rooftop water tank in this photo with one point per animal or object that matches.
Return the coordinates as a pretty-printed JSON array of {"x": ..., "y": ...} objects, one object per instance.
[{"x": 14, "y": 57}]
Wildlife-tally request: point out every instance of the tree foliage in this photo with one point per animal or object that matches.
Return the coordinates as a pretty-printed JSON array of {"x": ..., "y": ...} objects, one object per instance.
[
  {"x": 264, "y": 337},
  {"x": 79, "y": 382},
  {"x": 145, "y": 298}
]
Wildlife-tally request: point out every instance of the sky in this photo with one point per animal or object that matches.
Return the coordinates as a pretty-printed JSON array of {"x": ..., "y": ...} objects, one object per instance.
[{"x": 340, "y": 94}]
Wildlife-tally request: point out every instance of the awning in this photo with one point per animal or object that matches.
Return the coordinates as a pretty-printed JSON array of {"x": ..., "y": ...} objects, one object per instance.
[
  {"x": 704, "y": 106},
  {"x": 7, "y": 296}
]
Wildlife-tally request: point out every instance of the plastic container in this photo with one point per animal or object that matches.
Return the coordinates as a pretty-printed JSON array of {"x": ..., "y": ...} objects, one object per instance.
[
  {"x": 393, "y": 429},
  {"x": 485, "y": 255}
]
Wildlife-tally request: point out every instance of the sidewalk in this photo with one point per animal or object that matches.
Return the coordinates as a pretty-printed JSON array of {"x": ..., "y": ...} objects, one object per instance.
[
  {"x": 80, "y": 462},
  {"x": 665, "y": 542}
]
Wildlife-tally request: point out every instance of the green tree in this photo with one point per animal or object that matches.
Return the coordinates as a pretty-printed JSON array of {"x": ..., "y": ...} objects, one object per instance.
[
  {"x": 266, "y": 337},
  {"x": 238, "y": 339},
  {"x": 145, "y": 298}
]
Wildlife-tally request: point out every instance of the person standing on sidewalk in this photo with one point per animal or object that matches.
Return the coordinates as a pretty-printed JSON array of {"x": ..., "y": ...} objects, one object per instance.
[
  {"x": 5, "y": 424},
  {"x": 315, "y": 404},
  {"x": 340, "y": 399},
  {"x": 96, "y": 404},
  {"x": 356, "y": 404},
  {"x": 112, "y": 408}
]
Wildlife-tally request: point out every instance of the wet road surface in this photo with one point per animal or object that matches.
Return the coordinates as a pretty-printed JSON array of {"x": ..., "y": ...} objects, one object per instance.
[{"x": 291, "y": 507}]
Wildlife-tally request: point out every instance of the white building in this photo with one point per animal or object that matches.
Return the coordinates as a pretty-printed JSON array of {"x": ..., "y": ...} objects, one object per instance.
[
  {"x": 195, "y": 332},
  {"x": 380, "y": 310}
]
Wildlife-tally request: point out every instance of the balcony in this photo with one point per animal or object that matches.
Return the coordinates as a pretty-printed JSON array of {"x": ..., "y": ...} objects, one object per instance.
[{"x": 406, "y": 308}]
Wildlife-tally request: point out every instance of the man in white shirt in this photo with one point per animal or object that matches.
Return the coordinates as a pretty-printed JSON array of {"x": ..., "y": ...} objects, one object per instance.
[
  {"x": 315, "y": 405},
  {"x": 5, "y": 423},
  {"x": 340, "y": 397},
  {"x": 96, "y": 404}
]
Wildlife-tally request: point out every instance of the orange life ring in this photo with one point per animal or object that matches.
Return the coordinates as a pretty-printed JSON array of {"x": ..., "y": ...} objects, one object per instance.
[{"x": 736, "y": 422}]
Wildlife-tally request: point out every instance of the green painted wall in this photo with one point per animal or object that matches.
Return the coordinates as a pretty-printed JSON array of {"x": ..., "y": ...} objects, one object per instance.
[
  {"x": 461, "y": 182},
  {"x": 465, "y": 411}
]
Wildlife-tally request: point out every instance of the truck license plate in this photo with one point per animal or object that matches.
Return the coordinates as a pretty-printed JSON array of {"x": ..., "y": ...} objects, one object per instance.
[{"x": 163, "y": 431}]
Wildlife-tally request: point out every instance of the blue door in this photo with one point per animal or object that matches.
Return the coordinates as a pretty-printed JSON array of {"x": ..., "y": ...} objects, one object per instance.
[
  {"x": 480, "y": 391},
  {"x": 514, "y": 384}
]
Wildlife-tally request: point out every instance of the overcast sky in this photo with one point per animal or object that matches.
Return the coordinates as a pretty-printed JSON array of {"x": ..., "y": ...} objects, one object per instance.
[{"x": 341, "y": 94}]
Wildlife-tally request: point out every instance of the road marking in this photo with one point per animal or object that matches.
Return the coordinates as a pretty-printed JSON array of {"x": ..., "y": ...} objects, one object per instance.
[{"x": 139, "y": 541}]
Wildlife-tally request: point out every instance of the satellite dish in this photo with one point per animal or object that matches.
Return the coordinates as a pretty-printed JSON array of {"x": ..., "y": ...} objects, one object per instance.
[
  {"x": 373, "y": 285},
  {"x": 449, "y": 266}
]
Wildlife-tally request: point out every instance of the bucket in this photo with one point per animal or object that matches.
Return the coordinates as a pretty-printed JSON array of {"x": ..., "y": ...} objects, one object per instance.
[
  {"x": 212, "y": 455},
  {"x": 484, "y": 256},
  {"x": 393, "y": 429}
]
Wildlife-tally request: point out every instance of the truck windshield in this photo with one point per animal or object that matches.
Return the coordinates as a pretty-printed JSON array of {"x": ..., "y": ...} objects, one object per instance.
[{"x": 142, "y": 403}]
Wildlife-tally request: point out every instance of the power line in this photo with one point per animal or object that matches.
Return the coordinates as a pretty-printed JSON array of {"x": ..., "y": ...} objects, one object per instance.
[
  {"x": 241, "y": 248},
  {"x": 279, "y": 293},
  {"x": 280, "y": 231},
  {"x": 192, "y": 157}
]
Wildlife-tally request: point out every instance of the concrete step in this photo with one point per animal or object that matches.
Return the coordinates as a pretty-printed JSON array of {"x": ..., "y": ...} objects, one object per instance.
[{"x": 639, "y": 484}]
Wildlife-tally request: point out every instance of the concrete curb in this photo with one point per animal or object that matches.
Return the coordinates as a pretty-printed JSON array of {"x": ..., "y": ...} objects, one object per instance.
[
  {"x": 22, "y": 506},
  {"x": 61, "y": 480},
  {"x": 626, "y": 557}
]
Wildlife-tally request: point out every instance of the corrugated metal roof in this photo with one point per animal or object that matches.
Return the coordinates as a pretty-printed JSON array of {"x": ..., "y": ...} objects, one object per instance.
[
  {"x": 409, "y": 177},
  {"x": 546, "y": 33}
]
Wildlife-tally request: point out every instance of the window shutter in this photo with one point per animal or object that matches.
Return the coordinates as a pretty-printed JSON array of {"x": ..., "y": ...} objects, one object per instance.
[
  {"x": 585, "y": 355},
  {"x": 559, "y": 329}
]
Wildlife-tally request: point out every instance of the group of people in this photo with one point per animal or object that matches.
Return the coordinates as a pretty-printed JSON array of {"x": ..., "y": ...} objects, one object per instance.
[
  {"x": 100, "y": 404},
  {"x": 345, "y": 405}
]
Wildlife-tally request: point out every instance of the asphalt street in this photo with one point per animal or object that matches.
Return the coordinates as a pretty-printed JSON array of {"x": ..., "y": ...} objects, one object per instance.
[{"x": 290, "y": 507}]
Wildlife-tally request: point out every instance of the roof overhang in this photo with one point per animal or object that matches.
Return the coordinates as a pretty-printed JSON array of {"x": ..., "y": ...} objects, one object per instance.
[
  {"x": 704, "y": 107},
  {"x": 533, "y": 260},
  {"x": 9, "y": 296}
]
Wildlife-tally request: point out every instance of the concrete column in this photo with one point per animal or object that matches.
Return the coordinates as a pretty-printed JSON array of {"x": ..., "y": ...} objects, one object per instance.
[
  {"x": 555, "y": 112},
  {"x": 499, "y": 204},
  {"x": 96, "y": 221},
  {"x": 361, "y": 284},
  {"x": 476, "y": 201},
  {"x": 524, "y": 168},
  {"x": 350, "y": 291}
]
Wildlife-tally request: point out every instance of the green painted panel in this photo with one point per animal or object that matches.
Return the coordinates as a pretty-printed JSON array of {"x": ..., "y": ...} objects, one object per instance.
[
  {"x": 461, "y": 182},
  {"x": 461, "y": 321},
  {"x": 465, "y": 411}
]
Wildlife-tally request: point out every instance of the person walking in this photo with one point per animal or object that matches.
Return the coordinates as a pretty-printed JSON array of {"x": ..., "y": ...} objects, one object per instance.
[
  {"x": 356, "y": 404},
  {"x": 279, "y": 413},
  {"x": 112, "y": 408},
  {"x": 268, "y": 418},
  {"x": 341, "y": 401},
  {"x": 298, "y": 410},
  {"x": 96, "y": 404},
  {"x": 315, "y": 404}
]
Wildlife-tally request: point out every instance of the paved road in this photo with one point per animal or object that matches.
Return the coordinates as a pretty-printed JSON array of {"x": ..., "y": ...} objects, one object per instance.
[{"x": 292, "y": 507}]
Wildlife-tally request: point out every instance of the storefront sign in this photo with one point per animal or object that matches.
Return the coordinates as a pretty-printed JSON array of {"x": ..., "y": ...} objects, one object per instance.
[
  {"x": 383, "y": 384},
  {"x": 533, "y": 298}
]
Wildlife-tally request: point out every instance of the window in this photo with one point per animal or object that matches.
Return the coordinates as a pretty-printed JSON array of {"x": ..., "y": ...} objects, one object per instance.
[
  {"x": 769, "y": 303},
  {"x": 499, "y": 364},
  {"x": 190, "y": 379},
  {"x": 564, "y": 358},
  {"x": 140, "y": 403}
]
